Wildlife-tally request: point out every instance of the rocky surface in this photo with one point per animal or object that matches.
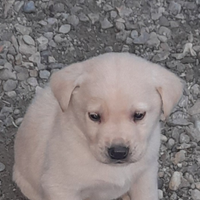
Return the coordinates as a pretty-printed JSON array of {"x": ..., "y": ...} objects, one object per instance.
[{"x": 40, "y": 37}]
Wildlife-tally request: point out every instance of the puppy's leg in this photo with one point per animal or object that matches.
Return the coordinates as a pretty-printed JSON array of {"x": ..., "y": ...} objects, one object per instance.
[
  {"x": 56, "y": 194},
  {"x": 53, "y": 191},
  {"x": 145, "y": 188}
]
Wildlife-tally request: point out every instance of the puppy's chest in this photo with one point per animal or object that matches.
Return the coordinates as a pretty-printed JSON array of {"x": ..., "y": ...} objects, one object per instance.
[{"x": 109, "y": 186}]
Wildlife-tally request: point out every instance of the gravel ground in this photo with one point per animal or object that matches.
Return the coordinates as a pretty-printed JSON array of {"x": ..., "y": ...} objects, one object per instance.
[{"x": 41, "y": 36}]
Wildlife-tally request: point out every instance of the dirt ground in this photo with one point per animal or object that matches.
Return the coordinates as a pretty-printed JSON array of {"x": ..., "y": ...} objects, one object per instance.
[{"x": 33, "y": 44}]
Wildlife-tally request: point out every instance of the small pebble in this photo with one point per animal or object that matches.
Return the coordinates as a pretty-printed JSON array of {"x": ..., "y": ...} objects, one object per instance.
[
  {"x": 16, "y": 111},
  {"x": 28, "y": 40},
  {"x": 35, "y": 58},
  {"x": 195, "y": 194},
  {"x": 179, "y": 156},
  {"x": 107, "y": 7},
  {"x": 65, "y": 28},
  {"x": 52, "y": 21},
  {"x": 73, "y": 20},
  {"x": 175, "y": 180},
  {"x": 113, "y": 14},
  {"x": 2, "y": 166},
  {"x": 18, "y": 121},
  {"x": 184, "y": 138},
  {"x": 32, "y": 81},
  {"x": 42, "y": 40},
  {"x": 58, "y": 38},
  {"x": 44, "y": 74},
  {"x": 171, "y": 142},
  {"x": 105, "y": 24},
  {"x": 163, "y": 138},
  {"x": 10, "y": 85},
  {"x": 197, "y": 185},
  {"x": 160, "y": 194},
  {"x": 83, "y": 17},
  {"x": 11, "y": 94},
  {"x": 120, "y": 26},
  {"x": 51, "y": 59},
  {"x": 7, "y": 74},
  {"x": 94, "y": 17},
  {"x": 59, "y": 7},
  {"x": 33, "y": 73},
  {"x": 134, "y": 34},
  {"x": 18, "y": 5},
  {"x": 29, "y": 7},
  {"x": 23, "y": 29},
  {"x": 174, "y": 8}
]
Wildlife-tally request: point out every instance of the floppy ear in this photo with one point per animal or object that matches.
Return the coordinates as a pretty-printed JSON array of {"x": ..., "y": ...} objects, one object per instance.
[
  {"x": 169, "y": 87},
  {"x": 64, "y": 81}
]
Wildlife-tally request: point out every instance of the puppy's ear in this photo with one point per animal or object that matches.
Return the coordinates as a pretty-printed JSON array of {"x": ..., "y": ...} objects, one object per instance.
[
  {"x": 169, "y": 87},
  {"x": 64, "y": 81}
]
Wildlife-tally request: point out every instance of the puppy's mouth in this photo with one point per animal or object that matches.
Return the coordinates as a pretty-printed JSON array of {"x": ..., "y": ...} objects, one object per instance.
[
  {"x": 127, "y": 161},
  {"x": 119, "y": 162},
  {"x": 117, "y": 154}
]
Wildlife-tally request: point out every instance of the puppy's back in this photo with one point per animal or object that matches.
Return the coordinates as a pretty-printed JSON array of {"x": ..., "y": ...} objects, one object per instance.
[{"x": 32, "y": 138}]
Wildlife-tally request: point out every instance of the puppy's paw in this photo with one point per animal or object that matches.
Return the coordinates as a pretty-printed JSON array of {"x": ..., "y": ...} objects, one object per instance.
[{"x": 124, "y": 197}]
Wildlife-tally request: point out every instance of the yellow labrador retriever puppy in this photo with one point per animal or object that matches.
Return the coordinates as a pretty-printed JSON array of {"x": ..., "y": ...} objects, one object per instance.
[{"x": 94, "y": 132}]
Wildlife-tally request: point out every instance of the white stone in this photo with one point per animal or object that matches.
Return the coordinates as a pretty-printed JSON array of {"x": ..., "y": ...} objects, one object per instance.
[
  {"x": 65, "y": 28},
  {"x": 9, "y": 85},
  {"x": 2, "y": 167},
  {"x": 42, "y": 40},
  {"x": 26, "y": 49},
  {"x": 160, "y": 194},
  {"x": 32, "y": 81},
  {"x": 23, "y": 29},
  {"x": 105, "y": 24},
  {"x": 197, "y": 185},
  {"x": 44, "y": 74},
  {"x": 28, "y": 40},
  {"x": 51, "y": 59},
  {"x": 175, "y": 180},
  {"x": 35, "y": 58},
  {"x": 195, "y": 194},
  {"x": 179, "y": 156}
]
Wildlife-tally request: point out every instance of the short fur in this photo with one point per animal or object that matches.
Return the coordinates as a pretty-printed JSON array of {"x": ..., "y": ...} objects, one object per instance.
[{"x": 61, "y": 154}]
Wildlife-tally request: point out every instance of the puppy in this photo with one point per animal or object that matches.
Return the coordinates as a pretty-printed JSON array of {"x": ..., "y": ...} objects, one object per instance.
[{"x": 94, "y": 132}]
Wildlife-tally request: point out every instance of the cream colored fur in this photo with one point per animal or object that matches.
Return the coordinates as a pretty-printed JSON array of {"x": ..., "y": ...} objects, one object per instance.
[{"x": 60, "y": 153}]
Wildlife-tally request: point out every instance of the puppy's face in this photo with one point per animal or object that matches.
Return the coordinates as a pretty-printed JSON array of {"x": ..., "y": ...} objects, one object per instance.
[
  {"x": 117, "y": 115},
  {"x": 116, "y": 101}
]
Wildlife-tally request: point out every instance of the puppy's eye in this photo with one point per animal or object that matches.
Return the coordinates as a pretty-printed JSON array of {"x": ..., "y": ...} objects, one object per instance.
[
  {"x": 138, "y": 116},
  {"x": 94, "y": 117}
]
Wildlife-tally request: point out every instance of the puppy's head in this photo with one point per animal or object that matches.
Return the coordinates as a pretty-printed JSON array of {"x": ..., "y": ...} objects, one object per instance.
[{"x": 116, "y": 100}]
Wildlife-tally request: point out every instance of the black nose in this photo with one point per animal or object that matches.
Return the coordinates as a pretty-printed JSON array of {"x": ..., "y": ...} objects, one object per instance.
[{"x": 118, "y": 152}]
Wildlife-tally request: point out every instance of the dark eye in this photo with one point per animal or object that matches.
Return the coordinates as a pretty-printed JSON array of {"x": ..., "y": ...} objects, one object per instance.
[
  {"x": 138, "y": 116},
  {"x": 94, "y": 117}
]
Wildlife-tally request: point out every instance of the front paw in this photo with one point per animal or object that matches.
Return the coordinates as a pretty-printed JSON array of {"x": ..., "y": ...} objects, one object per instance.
[{"x": 124, "y": 197}]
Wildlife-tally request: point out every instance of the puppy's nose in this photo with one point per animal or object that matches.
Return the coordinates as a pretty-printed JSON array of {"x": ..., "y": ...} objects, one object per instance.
[{"x": 118, "y": 152}]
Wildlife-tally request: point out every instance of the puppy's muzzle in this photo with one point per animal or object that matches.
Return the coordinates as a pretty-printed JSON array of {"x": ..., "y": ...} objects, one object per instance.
[{"x": 118, "y": 152}]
